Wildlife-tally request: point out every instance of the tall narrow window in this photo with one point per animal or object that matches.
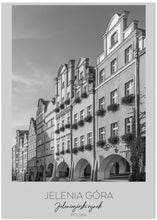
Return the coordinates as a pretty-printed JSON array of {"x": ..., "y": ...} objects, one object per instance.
[
  {"x": 68, "y": 119},
  {"x": 128, "y": 54},
  {"x": 114, "y": 97},
  {"x": 114, "y": 38},
  {"x": 113, "y": 66},
  {"x": 101, "y": 76},
  {"x": 129, "y": 88},
  {"x": 75, "y": 118},
  {"x": 114, "y": 129},
  {"x": 101, "y": 103},
  {"x": 82, "y": 140},
  {"x": 128, "y": 125},
  {"x": 102, "y": 133},
  {"x": 75, "y": 142},
  {"x": 89, "y": 110},
  {"x": 89, "y": 138},
  {"x": 82, "y": 114}
]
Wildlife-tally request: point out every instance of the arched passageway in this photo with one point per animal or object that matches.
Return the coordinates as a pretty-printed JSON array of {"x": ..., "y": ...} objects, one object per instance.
[
  {"x": 82, "y": 170},
  {"x": 62, "y": 170},
  {"x": 114, "y": 167},
  {"x": 49, "y": 170}
]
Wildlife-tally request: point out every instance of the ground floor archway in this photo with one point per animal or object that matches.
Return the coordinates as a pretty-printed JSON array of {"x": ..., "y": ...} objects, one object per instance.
[
  {"x": 62, "y": 170},
  {"x": 49, "y": 170},
  {"x": 82, "y": 170},
  {"x": 114, "y": 167}
]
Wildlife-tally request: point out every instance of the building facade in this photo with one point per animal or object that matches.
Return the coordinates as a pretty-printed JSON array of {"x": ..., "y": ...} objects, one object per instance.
[
  {"x": 25, "y": 156},
  {"x": 82, "y": 124},
  {"x": 14, "y": 162},
  {"x": 50, "y": 139},
  {"x": 32, "y": 149},
  {"x": 20, "y": 134},
  {"x": 64, "y": 95},
  {"x": 117, "y": 88},
  {"x": 40, "y": 139}
]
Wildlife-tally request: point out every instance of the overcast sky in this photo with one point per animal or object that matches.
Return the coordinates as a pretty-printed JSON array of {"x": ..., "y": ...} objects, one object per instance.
[{"x": 44, "y": 37}]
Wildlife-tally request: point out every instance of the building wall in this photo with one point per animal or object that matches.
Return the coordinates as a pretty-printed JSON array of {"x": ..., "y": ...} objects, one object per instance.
[
  {"x": 32, "y": 150},
  {"x": 125, "y": 71}
]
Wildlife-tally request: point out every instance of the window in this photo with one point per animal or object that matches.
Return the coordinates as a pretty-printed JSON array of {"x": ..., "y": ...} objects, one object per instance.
[
  {"x": 114, "y": 97},
  {"x": 102, "y": 133},
  {"x": 114, "y": 129},
  {"x": 101, "y": 76},
  {"x": 89, "y": 110},
  {"x": 68, "y": 119},
  {"x": 81, "y": 75},
  {"x": 85, "y": 89},
  {"x": 128, "y": 125},
  {"x": 75, "y": 142},
  {"x": 89, "y": 138},
  {"x": 128, "y": 54},
  {"x": 57, "y": 147},
  {"x": 101, "y": 103},
  {"x": 75, "y": 118},
  {"x": 68, "y": 144},
  {"x": 63, "y": 145},
  {"x": 82, "y": 114},
  {"x": 62, "y": 85},
  {"x": 78, "y": 94},
  {"x": 82, "y": 140},
  {"x": 114, "y": 39},
  {"x": 129, "y": 88},
  {"x": 113, "y": 66}
]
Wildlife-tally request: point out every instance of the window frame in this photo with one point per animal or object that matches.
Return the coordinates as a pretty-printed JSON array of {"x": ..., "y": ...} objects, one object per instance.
[
  {"x": 132, "y": 87},
  {"x": 102, "y": 133},
  {"x": 114, "y": 130},
  {"x": 127, "y": 59},
  {"x": 113, "y": 39},
  {"x": 102, "y": 105},
  {"x": 130, "y": 125},
  {"x": 114, "y": 66},
  {"x": 114, "y": 97}
]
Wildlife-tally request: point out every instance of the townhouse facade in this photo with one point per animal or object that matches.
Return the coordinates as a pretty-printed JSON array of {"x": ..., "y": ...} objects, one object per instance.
[
  {"x": 20, "y": 134},
  {"x": 50, "y": 139},
  {"x": 14, "y": 162},
  {"x": 64, "y": 94},
  {"x": 40, "y": 139},
  {"x": 25, "y": 156},
  {"x": 117, "y": 88},
  {"x": 32, "y": 150}
]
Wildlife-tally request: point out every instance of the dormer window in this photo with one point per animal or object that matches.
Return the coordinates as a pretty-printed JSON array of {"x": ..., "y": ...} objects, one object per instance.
[{"x": 114, "y": 39}]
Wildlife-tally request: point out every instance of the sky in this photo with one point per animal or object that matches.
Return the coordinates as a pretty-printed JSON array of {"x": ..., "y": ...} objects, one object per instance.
[{"x": 44, "y": 37}]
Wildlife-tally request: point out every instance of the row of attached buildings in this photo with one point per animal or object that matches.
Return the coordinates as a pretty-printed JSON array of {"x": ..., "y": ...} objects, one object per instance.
[{"x": 83, "y": 132}]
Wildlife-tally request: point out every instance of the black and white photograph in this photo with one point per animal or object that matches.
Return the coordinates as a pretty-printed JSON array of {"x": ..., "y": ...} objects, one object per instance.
[
  {"x": 78, "y": 110},
  {"x": 78, "y": 93}
]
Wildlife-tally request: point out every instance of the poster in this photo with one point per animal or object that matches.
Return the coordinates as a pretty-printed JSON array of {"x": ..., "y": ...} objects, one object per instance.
[{"x": 78, "y": 106}]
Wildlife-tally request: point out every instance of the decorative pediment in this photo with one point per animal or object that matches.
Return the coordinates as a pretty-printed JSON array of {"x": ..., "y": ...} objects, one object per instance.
[
  {"x": 81, "y": 61},
  {"x": 113, "y": 21},
  {"x": 62, "y": 69}
]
